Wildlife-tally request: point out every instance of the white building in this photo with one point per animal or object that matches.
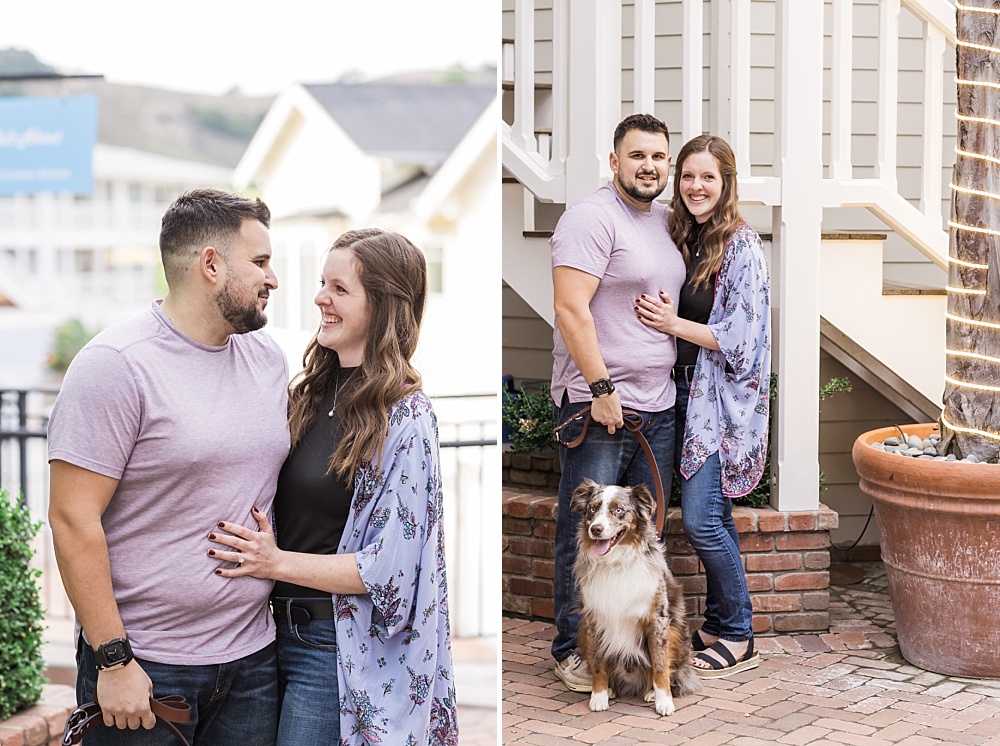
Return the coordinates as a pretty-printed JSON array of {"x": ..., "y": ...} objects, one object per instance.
[
  {"x": 93, "y": 257},
  {"x": 416, "y": 158}
]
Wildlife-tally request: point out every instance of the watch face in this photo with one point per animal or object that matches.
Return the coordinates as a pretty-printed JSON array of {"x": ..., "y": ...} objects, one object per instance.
[
  {"x": 115, "y": 652},
  {"x": 601, "y": 387}
]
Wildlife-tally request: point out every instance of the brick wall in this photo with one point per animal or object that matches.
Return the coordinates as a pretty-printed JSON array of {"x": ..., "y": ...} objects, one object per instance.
[
  {"x": 532, "y": 470},
  {"x": 42, "y": 724},
  {"x": 786, "y": 555}
]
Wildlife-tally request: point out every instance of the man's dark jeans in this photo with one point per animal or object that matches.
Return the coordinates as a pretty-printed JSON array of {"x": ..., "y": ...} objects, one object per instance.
[{"x": 232, "y": 704}]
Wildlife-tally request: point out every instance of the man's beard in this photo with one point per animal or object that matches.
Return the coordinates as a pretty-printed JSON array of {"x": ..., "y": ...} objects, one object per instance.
[
  {"x": 241, "y": 317},
  {"x": 641, "y": 193}
]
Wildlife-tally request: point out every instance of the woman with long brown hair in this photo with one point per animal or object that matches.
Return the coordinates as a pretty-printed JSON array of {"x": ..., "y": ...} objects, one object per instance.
[
  {"x": 721, "y": 322},
  {"x": 360, "y": 598}
]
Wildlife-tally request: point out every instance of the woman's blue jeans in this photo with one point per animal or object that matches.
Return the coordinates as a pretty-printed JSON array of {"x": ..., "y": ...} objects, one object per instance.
[
  {"x": 710, "y": 529},
  {"x": 607, "y": 459},
  {"x": 307, "y": 683}
]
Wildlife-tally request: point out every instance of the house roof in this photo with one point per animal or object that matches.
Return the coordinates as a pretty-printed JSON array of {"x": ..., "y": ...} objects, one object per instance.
[{"x": 406, "y": 122}]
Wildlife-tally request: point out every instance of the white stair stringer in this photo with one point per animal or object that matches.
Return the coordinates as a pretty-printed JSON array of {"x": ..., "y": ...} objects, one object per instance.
[
  {"x": 903, "y": 335},
  {"x": 527, "y": 261}
]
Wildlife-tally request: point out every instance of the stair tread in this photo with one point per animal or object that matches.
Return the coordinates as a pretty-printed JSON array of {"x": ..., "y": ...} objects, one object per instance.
[{"x": 898, "y": 288}]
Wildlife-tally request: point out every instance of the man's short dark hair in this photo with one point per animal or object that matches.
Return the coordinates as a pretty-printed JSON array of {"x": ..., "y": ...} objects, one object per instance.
[
  {"x": 644, "y": 122},
  {"x": 205, "y": 217}
]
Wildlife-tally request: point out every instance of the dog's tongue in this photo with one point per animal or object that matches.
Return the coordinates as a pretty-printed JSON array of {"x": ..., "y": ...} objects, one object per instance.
[{"x": 602, "y": 546}]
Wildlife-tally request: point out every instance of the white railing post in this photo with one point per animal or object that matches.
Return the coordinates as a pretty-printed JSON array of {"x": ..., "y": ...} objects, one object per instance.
[
  {"x": 841, "y": 72},
  {"x": 888, "y": 92},
  {"x": 930, "y": 193},
  {"x": 595, "y": 31},
  {"x": 720, "y": 119},
  {"x": 560, "y": 84},
  {"x": 644, "y": 58},
  {"x": 795, "y": 253},
  {"x": 739, "y": 85},
  {"x": 524, "y": 75},
  {"x": 692, "y": 70}
]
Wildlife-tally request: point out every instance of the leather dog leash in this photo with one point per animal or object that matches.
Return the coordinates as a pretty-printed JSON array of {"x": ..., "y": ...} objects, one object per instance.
[
  {"x": 168, "y": 710},
  {"x": 633, "y": 423}
]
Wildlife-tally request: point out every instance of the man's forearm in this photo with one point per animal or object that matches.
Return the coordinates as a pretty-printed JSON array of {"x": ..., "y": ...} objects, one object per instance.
[{"x": 82, "y": 555}]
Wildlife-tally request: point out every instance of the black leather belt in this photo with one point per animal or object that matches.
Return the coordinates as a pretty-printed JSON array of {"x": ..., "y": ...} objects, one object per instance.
[{"x": 302, "y": 610}]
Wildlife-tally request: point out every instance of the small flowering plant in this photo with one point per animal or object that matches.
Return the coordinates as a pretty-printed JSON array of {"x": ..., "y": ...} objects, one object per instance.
[{"x": 528, "y": 414}]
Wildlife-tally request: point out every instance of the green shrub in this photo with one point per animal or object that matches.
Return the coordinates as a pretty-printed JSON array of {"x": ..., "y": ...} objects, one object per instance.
[
  {"x": 69, "y": 339},
  {"x": 528, "y": 414},
  {"x": 21, "y": 615}
]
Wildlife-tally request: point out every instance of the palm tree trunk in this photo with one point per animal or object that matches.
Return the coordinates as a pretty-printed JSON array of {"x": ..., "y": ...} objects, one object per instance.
[{"x": 971, "y": 398}]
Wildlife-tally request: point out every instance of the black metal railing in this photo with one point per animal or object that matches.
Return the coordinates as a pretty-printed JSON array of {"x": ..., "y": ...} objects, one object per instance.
[{"x": 24, "y": 417}]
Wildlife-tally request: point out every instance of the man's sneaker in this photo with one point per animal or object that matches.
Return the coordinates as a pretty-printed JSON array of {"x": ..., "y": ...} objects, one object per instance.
[{"x": 575, "y": 673}]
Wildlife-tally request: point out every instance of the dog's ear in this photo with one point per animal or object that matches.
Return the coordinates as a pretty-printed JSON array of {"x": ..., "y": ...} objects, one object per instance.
[
  {"x": 581, "y": 495},
  {"x": 644, "y": 500}
]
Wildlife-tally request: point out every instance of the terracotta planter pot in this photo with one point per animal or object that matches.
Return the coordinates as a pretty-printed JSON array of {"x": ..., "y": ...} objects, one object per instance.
[{"x": 939, "y": 528}]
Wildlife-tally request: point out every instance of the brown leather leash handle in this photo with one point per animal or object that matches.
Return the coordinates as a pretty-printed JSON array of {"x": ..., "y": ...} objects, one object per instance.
[
  {"x": 633, "y": 423},
  {"x": 170, "y": 709}
]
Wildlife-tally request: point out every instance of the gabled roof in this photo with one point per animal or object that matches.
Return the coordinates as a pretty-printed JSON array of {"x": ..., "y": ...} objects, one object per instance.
[
  {"x": 414, "y": 123},
  {"x": 480, "y": 137}
]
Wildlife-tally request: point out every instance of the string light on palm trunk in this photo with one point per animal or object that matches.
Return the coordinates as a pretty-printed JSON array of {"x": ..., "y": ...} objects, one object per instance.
[
  {"x": 973, "y": 229},
  {"x": 972, "y": 430},
  {"x": 975, "y": 9}
]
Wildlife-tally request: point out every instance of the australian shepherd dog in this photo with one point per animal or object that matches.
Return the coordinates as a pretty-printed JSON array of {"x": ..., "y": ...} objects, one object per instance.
[{"x": 633, "y": 631}]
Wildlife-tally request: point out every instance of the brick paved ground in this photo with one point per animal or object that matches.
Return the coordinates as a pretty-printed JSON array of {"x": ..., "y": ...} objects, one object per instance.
[{"x": 848, "y": 686}]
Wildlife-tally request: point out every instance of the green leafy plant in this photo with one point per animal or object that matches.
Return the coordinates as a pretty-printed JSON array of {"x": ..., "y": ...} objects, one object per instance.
[
  {"x": 761, "y": 494},
  {"x": 69, "y": 339},
  {"x": 528, "y": 414},
  {"x": 21, "y": 615}
]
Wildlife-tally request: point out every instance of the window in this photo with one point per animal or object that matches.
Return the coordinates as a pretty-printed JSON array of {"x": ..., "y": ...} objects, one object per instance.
[
  {"x": 434, "y": 254},
  {"x": 83, "y": 260}
]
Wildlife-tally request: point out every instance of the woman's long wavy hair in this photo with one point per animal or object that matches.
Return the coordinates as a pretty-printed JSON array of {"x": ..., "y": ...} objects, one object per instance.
[
  {"x": 725, "y": 219},
  {"x": 393, "y": 273}
]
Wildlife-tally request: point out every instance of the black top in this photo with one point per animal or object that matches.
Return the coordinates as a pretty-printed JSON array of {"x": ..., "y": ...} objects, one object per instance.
[
  {"x": 694, "y": 304},
  {"x": 310, "y": 506}
]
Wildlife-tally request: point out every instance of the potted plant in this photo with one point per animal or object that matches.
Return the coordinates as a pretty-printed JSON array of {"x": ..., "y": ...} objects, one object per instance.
[
  {"x": 939, "y": 520},
  {"x": 21, "y": 662},
  {"x": 526, "y": 413}
]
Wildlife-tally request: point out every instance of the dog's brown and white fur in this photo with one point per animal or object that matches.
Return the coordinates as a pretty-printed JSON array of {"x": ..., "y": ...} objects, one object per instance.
[{"x": 633, "y": 631}]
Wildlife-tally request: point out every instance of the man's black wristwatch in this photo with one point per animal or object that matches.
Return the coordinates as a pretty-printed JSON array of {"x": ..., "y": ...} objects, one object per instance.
[
  {"x": 601, "y": 387},
  {"x": 113, "y": 654}
]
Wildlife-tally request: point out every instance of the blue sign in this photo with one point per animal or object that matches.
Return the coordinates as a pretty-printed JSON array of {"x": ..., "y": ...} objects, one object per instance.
[{"x": 47, "y": 144}]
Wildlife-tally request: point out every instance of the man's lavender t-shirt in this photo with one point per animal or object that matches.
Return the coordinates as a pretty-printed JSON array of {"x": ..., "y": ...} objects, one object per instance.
[
  {"x": 195, "y": 434},
  {"x": 631, "y": 252}
]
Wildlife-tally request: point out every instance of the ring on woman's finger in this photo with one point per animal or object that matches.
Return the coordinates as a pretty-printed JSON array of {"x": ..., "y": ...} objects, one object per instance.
[{"x": 240, "y": 561}]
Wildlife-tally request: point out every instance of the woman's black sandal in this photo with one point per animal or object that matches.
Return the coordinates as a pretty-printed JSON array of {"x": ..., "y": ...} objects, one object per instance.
[
  {"x": 719, "y": 670},
  {"x": 697, "y": 644}
]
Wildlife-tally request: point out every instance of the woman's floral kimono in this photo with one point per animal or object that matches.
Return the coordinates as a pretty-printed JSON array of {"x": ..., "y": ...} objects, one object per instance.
[
  {"x": 728, "y": 407},
  {"x": 397, "y": 685}
]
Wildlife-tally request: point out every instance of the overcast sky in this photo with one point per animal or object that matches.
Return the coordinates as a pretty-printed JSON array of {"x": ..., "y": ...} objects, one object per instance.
[{"x": 209, "y": 46}]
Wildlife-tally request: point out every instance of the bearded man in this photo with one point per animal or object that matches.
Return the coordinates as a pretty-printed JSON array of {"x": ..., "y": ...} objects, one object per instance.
[{"x": 166, "y": 423}]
